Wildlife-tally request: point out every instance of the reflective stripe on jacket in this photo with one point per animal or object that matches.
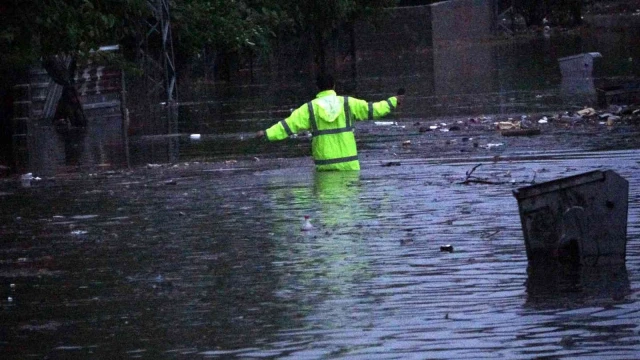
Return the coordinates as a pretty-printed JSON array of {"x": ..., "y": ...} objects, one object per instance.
[{"x": 331, "y": 120}]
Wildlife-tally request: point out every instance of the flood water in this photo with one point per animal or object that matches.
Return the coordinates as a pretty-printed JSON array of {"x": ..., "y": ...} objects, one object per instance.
[{"x": 202, "y": 262}]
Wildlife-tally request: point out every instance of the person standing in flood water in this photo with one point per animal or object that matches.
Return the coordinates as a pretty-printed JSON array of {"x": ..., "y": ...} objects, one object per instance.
[{"x": 331, "y": 119}]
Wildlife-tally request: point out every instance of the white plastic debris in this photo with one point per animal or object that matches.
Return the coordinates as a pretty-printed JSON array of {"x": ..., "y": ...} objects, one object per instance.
[
  {"x": 507, "y": 125},
  {"x": 25, "y": 179},
  {"x": 306, "y": 225},
  {"x": 194, "y": 136},
  {"x": 386, "y": 123},
  {"x": 490, "y": 145},
  {"x": 586, "y": 112}
]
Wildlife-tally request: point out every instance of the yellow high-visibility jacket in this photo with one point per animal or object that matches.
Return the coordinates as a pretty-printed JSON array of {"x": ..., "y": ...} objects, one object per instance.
[{"x": 331, "y": 119}]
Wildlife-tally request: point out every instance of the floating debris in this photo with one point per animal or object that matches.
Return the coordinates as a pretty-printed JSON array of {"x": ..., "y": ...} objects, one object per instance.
[
  {"x": 306, "y": 225},
  {"x": 392, "y": 163},
  {"x": 446, "y": 248},
  {"x": 406, "y": 241}
]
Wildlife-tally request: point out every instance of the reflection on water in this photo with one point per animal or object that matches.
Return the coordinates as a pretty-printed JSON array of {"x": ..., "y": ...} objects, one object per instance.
[
  {"x": 568, "y": 287},
  {"x": 180, "y": 262}
]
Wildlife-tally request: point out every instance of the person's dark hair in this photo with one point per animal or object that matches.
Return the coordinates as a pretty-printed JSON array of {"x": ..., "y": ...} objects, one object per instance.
[{"x": 325, "y": 82}]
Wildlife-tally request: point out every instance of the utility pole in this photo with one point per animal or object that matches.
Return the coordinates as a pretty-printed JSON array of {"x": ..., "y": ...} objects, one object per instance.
[{"x": 160, "y": 72}]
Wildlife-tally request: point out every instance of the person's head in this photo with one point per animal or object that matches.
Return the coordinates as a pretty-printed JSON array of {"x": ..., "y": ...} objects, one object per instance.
[{"x": 325, "y": 82}]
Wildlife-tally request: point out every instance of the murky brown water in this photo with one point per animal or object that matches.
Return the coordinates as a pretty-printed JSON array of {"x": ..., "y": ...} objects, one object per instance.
[{"x": 205, "y": 261}]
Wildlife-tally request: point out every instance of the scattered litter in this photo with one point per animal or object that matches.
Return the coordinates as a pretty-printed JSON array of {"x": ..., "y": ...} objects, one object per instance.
[
  {"x": 386, "y": 123},
  {"x": 79, "y": 232},
  {"x": 406, "y": 143},
  {"x": 491, "y": 145},
  {"x": 506, "y": 125},
  {"x": 194, "y": 136},
  {"x": 586, "y": 112},
  {"x": 544, "y": 120},
  {"x": 153, "y": 166},
  {"x": 433, "y": 127}
]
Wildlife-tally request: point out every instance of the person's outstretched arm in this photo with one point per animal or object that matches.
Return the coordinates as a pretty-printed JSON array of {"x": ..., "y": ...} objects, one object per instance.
[
  {"x": 298, "y": 121},
  {"x": 363, "y": 110}
]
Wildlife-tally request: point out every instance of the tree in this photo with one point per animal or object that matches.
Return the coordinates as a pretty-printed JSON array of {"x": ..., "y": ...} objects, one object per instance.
[
  {"x": 322, "y": 19},
  {"x": 562, "y": 12},
  {"x": 61, "y": 34},
  {"x": 225, "y": 27},
  {"x": 229, "y": 25}
]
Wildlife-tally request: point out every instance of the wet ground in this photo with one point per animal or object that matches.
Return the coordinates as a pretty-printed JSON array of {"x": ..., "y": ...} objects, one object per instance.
[{"x": 207, "y": 260}]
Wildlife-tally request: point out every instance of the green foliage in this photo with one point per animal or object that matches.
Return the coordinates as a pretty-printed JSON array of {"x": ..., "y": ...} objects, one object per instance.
[
  {"x": 34, "y": 29},
  {"x": 225, "y": 25},
  {"x": 559, "y": 12},
  {"x": 327, "y": 16},
  {"x": 321, "y": 19}
]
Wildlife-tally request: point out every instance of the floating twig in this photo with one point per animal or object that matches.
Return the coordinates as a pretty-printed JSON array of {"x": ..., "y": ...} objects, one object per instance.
[{"x": 477, "y": 180}]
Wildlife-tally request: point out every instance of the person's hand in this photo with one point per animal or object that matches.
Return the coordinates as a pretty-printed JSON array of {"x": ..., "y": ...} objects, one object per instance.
[
  {"x": 400, "y": 96},
  {"x": 260, "y": 134}
]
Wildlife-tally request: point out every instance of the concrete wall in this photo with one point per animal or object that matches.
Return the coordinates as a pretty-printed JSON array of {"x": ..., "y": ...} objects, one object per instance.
[
  {"x": 461, "y": 20},
  {"x": 460, "y": 63}
]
